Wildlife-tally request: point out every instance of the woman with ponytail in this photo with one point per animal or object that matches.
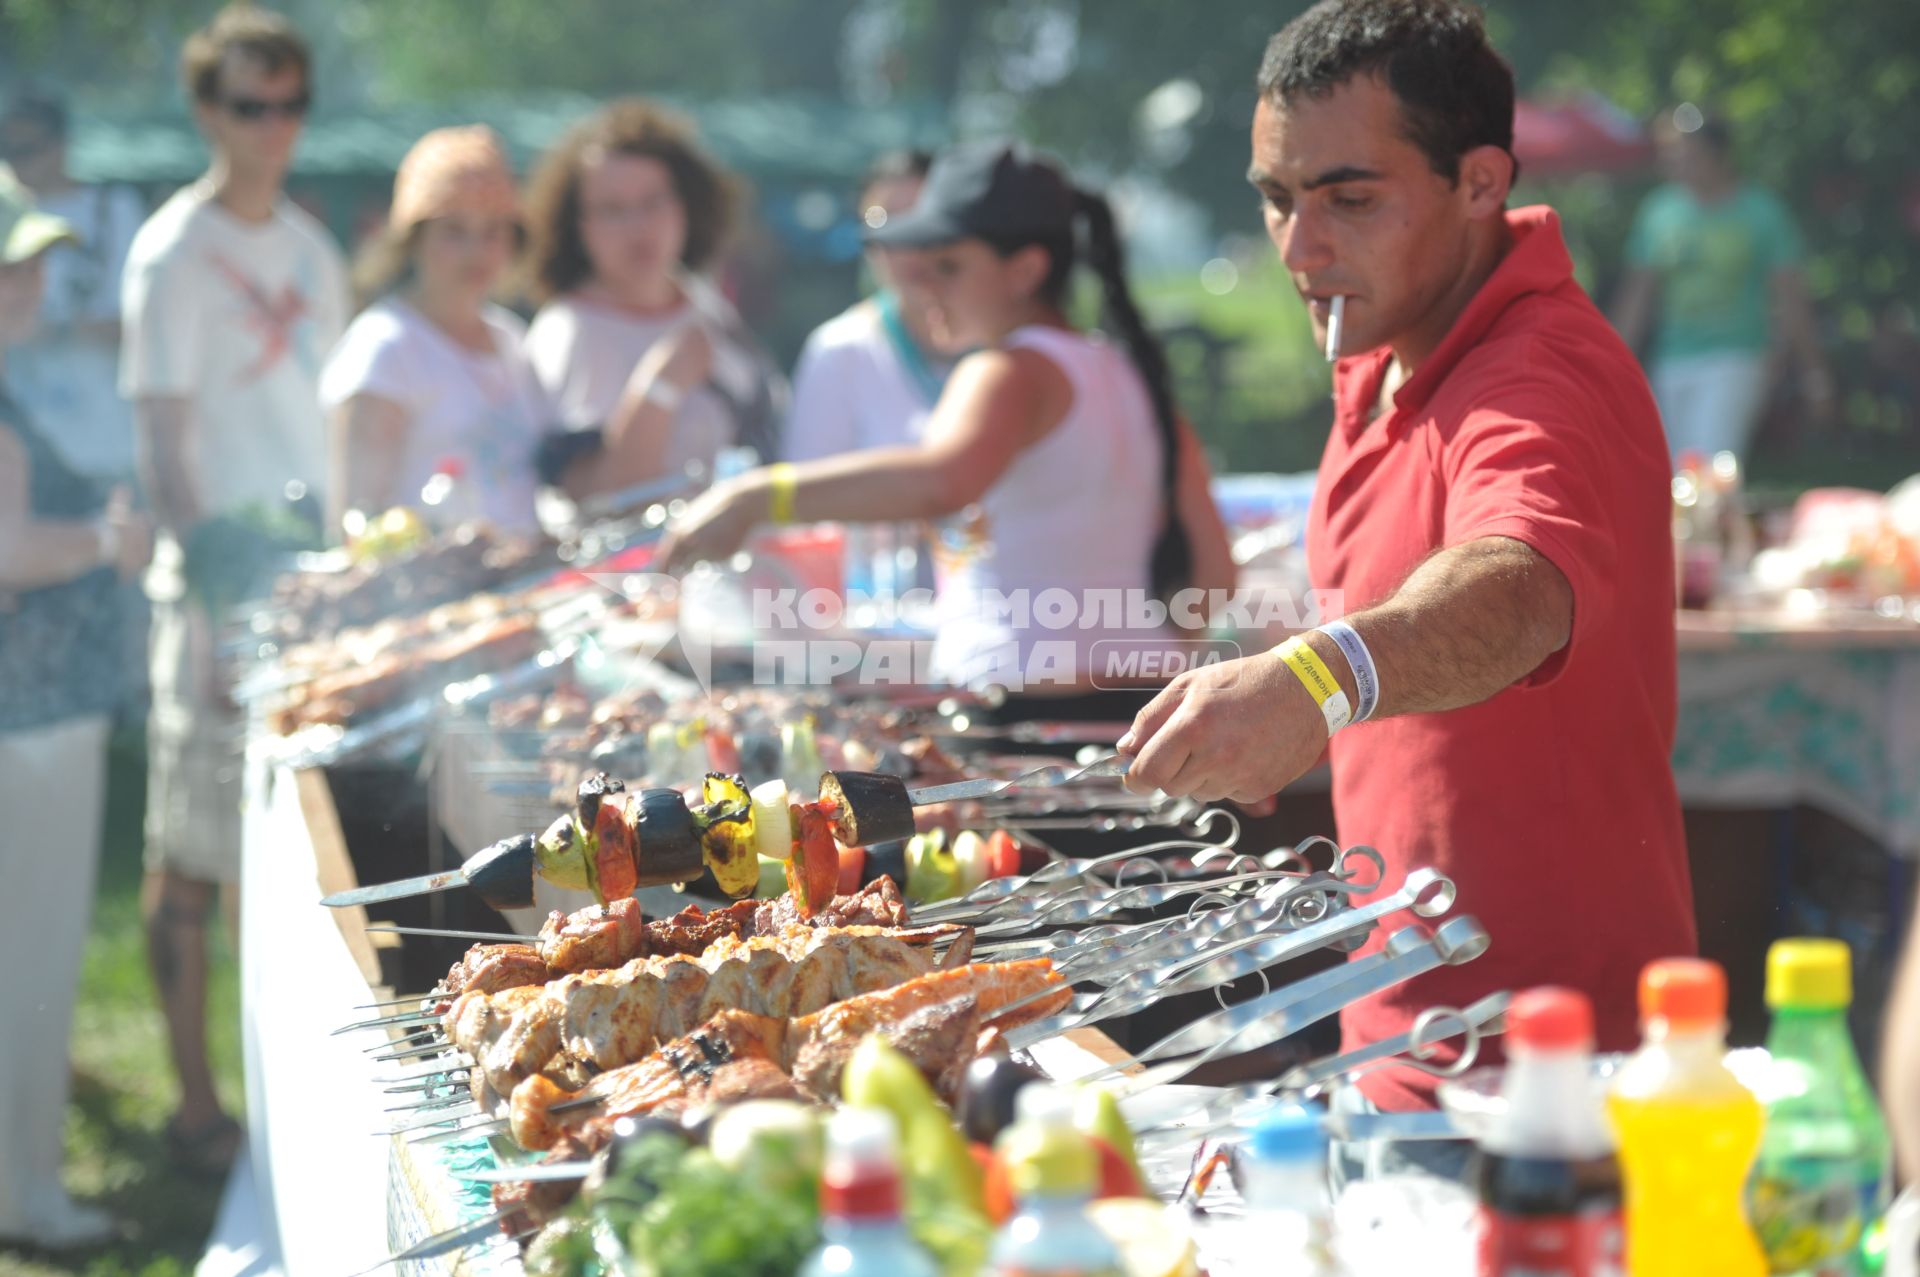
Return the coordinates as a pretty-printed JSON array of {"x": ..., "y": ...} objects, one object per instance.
[{"x": 1058, "y": 462}]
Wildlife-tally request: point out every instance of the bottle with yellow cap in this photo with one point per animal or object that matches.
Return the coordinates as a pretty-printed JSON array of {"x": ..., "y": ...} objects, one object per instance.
[
  {"x": 1053, "y": 1170},
  {"x": 1687, "y": 1131},
  {"x": 1823, "y": 1174}
]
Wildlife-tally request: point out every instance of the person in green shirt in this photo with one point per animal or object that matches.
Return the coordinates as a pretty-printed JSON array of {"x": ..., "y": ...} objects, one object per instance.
[{"x": 1714, "y": 277}]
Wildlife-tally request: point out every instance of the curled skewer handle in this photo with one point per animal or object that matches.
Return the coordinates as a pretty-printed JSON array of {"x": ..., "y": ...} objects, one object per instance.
[{"x": 1367, "y": 855}]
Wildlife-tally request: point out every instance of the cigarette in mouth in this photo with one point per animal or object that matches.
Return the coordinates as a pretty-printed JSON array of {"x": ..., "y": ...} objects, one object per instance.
[{"x": 1336, "y": 313}]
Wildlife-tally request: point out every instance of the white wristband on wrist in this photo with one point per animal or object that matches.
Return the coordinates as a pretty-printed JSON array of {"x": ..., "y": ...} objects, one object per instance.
[{"x": 1366, "y": 680}]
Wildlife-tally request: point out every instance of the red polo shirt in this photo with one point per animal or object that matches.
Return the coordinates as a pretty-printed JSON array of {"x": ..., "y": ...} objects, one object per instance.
[{"x": 1551, "y": 805}]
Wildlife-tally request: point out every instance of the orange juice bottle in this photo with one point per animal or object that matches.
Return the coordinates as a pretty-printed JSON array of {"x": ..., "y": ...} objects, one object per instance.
[{"x": 1688, "y": 1132}]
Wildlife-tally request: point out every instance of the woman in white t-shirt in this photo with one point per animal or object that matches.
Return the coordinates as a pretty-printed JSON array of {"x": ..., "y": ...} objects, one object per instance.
[
  {"x": 869, "y": 377},
  {"x": 433, "y": 378},
  {"x": 648, "y": 367},
  {"x": 1084, "y": 495}
]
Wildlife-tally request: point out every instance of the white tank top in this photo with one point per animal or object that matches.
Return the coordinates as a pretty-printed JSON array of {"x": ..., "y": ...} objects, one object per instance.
[{"x": 1077, "y": 512}]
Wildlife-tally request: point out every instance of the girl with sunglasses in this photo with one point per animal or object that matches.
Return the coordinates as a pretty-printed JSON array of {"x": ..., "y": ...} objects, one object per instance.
[{"x": 433, "y": 378}]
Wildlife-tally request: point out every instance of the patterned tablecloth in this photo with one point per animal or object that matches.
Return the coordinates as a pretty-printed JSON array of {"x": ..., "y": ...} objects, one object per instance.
[{"x": 1776, "y": 711}]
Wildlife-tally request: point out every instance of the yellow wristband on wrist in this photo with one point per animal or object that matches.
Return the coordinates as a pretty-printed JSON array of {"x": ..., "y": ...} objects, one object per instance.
[
  {"x": 780, "y": 485},
  {"x": 1319, "y": 682}
]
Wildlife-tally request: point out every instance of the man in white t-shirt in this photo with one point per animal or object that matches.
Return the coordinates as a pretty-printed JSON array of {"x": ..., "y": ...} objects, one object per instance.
[
  {"x": 231, "y": 300},
  {"x": 868, "y": 377},
  {"x": 65, "y": 375}
]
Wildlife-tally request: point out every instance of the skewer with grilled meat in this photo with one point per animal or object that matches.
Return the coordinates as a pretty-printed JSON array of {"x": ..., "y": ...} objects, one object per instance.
[
  {"x": 491, "y": 968},
  {"x": 937, "y": 1019},
  {"x": 597, "y": 936},
  {"x": 605, "y": 936},
  {"x": 604, "y": 1019},
  {"x": 524, "y": 1205},
  {"x": 608, "y": 935}
]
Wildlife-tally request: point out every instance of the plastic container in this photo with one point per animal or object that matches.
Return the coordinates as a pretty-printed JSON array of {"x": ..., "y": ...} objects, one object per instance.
[
  {"x": 1053, "y": 1171},
  {"x": 1824, "y": 1171},
  {"x": 860, "y": 1203},
  {"x": 1546, "y": 1177},
  {"x": 1687, "y": 1132}
]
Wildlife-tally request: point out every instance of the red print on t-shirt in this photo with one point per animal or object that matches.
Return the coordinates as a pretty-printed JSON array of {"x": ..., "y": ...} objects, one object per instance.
[{"x": 272, "y": 318}]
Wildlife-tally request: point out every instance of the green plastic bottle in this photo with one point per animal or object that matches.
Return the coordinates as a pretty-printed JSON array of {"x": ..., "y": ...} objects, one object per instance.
[{"x": 1824, "y": 1172}]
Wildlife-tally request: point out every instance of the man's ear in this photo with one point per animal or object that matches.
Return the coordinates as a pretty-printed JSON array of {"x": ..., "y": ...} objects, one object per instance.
[{"x": 1486, "y": 178}]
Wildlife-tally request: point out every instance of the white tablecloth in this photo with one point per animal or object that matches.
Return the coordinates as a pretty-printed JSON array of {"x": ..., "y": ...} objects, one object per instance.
[{"x": 310, "y": 1195}]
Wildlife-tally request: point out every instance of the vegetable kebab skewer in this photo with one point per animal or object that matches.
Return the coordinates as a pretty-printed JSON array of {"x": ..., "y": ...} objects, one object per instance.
[{"x": 615, "y": 842}]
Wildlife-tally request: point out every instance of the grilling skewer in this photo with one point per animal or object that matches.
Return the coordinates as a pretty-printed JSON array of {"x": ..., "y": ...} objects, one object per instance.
[
  {"x": 611, "y": 843},
  {"x": 1263, "y": 905},
  {"x": 615, "y": 842},
  {"x": 1183, "y": 959},
  {"x": 1258, "y": 902},
  {"x": 1127, "y": 958},
  {"x": 1307, "y": 898}
]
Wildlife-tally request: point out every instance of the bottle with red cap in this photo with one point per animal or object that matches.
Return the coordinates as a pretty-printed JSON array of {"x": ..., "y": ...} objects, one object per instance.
[
  {"x": 1688, "y": 1131},
  {"x": 1548, "y": 1183},
  {"x": 448, "y": 496},
  {"x": 860, "y": 1203}
]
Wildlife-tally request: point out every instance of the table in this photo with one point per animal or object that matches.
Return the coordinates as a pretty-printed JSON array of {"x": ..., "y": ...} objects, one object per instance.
[
  {"x": 1778, "y": 709},
  {"x": 313, "y": 1172}
]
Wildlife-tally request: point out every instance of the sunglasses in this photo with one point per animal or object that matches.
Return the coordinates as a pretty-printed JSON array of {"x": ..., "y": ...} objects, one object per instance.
[{"x": 253, "y": 110}]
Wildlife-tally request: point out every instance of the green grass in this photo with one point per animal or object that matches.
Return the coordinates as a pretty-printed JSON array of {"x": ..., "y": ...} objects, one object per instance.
[{"x": 123, "y": 1083}]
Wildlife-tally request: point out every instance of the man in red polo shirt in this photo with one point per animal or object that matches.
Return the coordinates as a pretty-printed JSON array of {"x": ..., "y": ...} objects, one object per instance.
[{"x": 1493, "y": 505}]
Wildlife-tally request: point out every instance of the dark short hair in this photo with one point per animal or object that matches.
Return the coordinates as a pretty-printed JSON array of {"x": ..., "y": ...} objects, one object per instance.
[
  {"x": 260, "y": 34},
  {"x": 1455, "y": 92},
  {"x": 557, "y": 260},
  {"x": 902, "y": 165},
  {"x": 42, "y": 110}
]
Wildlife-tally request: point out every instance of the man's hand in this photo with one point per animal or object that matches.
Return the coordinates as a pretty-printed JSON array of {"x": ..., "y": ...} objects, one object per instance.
[
  {"x": 1240, "y": 730},
  {"x": 715, "y": 525}
]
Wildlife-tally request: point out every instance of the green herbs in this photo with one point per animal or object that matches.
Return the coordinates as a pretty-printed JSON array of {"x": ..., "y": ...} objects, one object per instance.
[
  {"x": 231, "y": 558},
  {"x": 707, "y": 1221}
]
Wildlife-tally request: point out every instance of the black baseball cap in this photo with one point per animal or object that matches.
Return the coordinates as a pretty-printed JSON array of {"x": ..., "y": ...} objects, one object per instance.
[{"x": 990, "y": 190}]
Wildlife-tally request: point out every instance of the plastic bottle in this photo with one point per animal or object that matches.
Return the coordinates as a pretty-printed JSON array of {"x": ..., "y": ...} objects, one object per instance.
[
  {"x": 1737, "y": 540},
  {"x": 1696, "y": 531},
  {"x": 1549, "y": 1187},
  {"x": 1824, "y": 1171},
  {"x": 448, "y": 497},
  {"x": 1287, "y": 1227},
  {"x": 1053, "y": 1171},
  {"x": 860, "y": 1203},
  {"x": 1687, "y": 1131}
]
